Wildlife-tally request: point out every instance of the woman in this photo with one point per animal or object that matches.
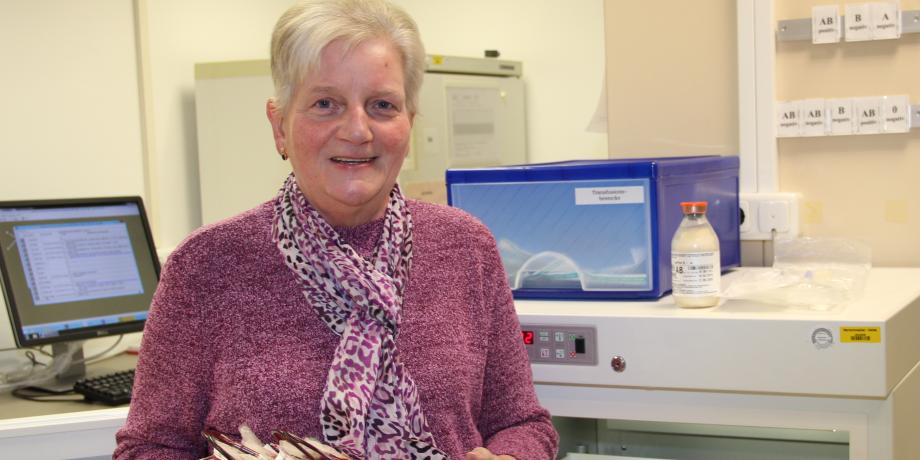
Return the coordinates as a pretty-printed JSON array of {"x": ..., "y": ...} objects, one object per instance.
[{"x": 339, "y": 310}]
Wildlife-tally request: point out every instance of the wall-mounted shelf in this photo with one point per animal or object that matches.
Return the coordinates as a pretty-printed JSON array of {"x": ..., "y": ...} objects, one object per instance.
[{"x": 800, "y": 29}]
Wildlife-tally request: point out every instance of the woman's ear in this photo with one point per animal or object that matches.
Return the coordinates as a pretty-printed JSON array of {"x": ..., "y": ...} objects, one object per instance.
[{"x": 276, "y": 119}]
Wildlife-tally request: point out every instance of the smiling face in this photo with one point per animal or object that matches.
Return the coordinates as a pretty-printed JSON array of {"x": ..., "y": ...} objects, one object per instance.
[{"x": 346, "y": 130}]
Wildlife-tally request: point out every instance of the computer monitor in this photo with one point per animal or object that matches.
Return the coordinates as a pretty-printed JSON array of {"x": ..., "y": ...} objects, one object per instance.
[{"x": 75, "y": 269}]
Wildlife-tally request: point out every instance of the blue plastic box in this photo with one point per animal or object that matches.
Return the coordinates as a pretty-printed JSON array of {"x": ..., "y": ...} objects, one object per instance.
[{"x": 597, "y": 229}]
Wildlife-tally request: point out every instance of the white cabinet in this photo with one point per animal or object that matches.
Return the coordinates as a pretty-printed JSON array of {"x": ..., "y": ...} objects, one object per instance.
[{"x": 744, "y": 364}]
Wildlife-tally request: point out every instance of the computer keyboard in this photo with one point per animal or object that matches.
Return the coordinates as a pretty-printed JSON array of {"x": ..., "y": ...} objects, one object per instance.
[{"x": 112, "y": 389}]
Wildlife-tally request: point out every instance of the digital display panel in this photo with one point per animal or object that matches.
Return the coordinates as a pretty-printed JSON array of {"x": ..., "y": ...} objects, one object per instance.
[{"x": 528, "y": 337}]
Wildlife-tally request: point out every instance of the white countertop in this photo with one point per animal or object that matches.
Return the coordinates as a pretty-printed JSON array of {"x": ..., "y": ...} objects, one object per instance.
[{"x": 886, "y": 292}]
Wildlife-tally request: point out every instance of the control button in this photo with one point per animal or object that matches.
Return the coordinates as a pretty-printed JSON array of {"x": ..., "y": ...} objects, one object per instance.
[
  {"x": 544, "y": 336},
  {"x": 544, "y": 352},
  {"x": 580, "y": 345},
  {"x": 560, "y": 336},
  {"x": 618, "y": 363},
  {"x": 560, "y": 353}
]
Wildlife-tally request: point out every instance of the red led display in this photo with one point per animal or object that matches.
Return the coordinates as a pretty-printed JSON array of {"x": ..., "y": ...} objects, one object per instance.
[{"x": 528, "y": 337}]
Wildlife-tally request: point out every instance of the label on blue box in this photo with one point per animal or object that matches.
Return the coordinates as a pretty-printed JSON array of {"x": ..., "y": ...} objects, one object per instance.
[{"x": 609, "y": 195}]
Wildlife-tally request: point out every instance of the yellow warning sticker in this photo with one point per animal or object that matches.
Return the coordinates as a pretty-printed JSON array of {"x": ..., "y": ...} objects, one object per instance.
[
  {"x": 437, "y": 59},
  {"x": 860, "y": 334}
]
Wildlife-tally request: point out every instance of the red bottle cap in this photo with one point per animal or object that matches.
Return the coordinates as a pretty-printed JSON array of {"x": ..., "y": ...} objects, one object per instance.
[{"x": 693, "y": 207}]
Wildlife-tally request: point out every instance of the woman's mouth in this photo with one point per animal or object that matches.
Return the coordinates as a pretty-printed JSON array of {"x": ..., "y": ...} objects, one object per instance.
[{"x": 352, "y": 161}]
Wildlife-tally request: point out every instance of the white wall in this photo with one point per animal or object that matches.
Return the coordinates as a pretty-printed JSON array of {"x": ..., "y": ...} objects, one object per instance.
[
  {"x": 181, "y": 33},
  {"x": 69, "y": 113},
  {"x": 74, "y": 113},
  {"x": 561, "y": 45}
]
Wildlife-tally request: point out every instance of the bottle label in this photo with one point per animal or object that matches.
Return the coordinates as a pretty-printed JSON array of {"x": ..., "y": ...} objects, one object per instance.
[{"x": 695, "y": 274}]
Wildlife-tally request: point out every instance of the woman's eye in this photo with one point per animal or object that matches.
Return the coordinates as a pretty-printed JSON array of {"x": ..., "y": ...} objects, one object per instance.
[
  {"x": 323, "y": 104},
  {"x": 384, "y": 105}
]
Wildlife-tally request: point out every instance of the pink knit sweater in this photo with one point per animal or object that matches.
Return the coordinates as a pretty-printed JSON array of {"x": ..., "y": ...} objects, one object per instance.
[{"x": 232, "y": 340}]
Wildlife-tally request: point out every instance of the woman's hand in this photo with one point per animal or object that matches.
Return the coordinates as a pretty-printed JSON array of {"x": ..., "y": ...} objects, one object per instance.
[{"x": 481, "y": 453}]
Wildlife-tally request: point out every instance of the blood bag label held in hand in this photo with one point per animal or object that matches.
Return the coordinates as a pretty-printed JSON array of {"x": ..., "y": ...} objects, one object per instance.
[{"x": 695, "y": 273}]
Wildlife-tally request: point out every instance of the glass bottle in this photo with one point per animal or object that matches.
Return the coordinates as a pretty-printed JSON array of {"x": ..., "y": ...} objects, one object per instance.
[{"x": 695, "y": 264}]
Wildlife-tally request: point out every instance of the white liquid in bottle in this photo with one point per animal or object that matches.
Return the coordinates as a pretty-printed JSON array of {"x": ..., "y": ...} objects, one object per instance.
[{"x": 695, "y": 264}]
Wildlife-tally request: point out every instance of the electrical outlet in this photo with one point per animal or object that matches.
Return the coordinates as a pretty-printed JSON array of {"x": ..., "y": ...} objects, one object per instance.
[
  {"x": 766, "y": 213},
  {"x": 746, "y": 218}
]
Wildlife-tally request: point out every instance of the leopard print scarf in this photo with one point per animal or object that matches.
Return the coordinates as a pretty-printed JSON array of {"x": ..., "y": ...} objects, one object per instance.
[{"x": 370, "y": 407}]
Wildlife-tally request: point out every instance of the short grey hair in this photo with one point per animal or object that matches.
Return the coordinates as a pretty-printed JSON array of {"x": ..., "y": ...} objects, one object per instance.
[{"x": 305, "y": 29}]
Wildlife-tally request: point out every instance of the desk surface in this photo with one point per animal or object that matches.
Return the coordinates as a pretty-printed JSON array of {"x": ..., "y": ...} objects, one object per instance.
[
  {"x": 886, "y": 292},
  {"x": 12, "y": 407}
]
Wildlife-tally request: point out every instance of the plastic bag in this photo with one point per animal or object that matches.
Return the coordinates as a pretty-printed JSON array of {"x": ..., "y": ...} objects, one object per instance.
[
  {"x": 30, "y": 372},
  {"x": 818, "y": 274}
]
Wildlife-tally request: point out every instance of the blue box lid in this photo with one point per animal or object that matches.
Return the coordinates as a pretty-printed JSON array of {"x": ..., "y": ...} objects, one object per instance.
[{"x": 626, "y": 168}]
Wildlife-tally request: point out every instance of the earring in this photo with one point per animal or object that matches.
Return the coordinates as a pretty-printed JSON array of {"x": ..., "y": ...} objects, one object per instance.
[{"x": 283, "y": 154}]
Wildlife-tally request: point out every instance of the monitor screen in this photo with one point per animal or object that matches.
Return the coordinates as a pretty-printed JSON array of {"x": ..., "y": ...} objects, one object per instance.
[{"x": 76, "y": 269}]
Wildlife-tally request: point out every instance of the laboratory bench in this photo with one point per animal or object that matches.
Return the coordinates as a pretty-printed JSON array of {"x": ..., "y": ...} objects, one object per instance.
[{"x": 648, "y": 379}]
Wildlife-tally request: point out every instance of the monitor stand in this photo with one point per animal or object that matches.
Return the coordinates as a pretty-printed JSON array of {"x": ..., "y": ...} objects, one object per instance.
[{"x": 74, "y": 370}]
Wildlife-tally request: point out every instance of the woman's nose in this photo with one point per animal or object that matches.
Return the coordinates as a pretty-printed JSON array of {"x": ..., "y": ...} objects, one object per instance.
[{"x": 355, "y": 127}]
